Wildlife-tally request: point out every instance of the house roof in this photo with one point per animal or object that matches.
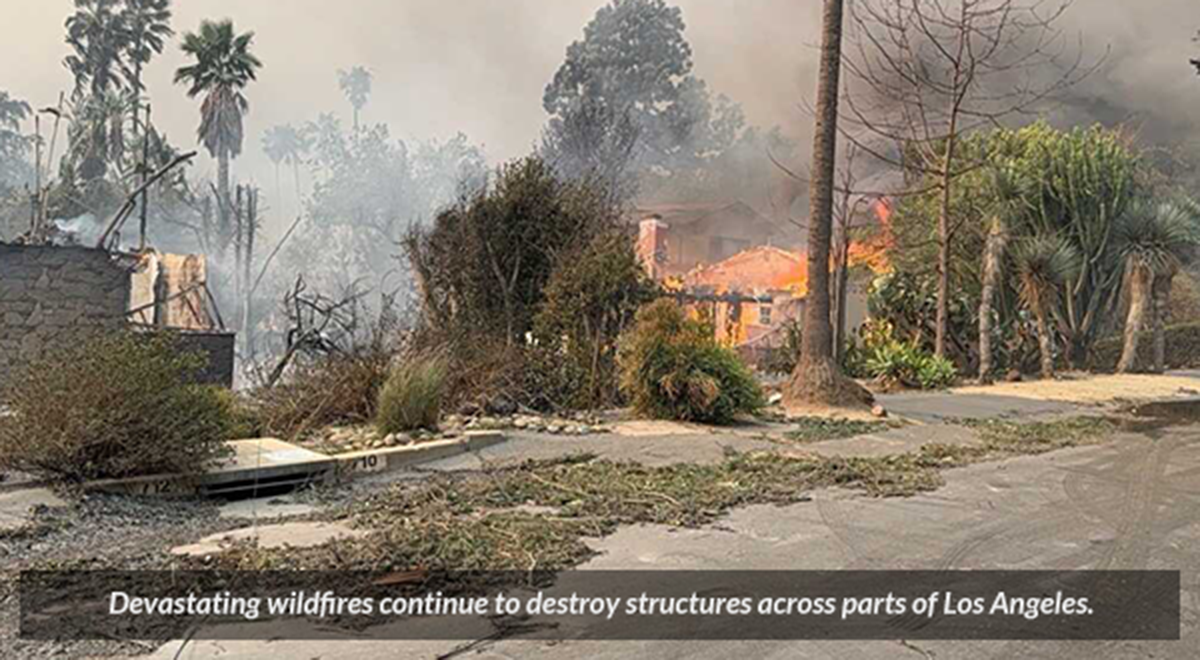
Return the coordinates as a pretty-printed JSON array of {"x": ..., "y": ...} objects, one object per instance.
[{"x": 756, "y": 270}]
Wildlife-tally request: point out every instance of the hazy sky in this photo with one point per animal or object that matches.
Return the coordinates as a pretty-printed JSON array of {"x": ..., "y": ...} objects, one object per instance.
[
  {"x": 440, "y": 66},
  {"x": 479, "y": 66}
]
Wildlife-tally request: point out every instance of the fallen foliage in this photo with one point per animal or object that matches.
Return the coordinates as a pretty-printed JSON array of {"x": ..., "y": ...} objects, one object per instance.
[{"x": 817, "y": 429}]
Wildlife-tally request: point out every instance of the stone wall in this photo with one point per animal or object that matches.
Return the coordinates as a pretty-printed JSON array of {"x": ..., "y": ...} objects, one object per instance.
[{"x": 47, "y": 292}]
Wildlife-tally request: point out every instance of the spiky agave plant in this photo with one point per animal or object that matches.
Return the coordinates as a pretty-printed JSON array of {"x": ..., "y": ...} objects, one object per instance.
[
  {"x": 1151, "y": 240},
  {"x": 1043, "y": 263}
]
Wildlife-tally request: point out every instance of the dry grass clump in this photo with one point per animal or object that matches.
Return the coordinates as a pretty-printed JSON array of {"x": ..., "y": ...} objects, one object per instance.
[
  {"x": 411, "y": 398},
  {"x": 113, "y": 405}
]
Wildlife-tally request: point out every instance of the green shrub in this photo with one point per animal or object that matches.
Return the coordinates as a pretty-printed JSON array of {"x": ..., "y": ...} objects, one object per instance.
[
  {"x": 245, "y": 421},
  {"x": 673, "y": 368},
  {"x": 111, "y": 406},
  {"x": 935, "y": 373},
  {"x": 591, "y": 297},
  {"x": 897, "y": 364},
  {"x": 412, "y": 396}
]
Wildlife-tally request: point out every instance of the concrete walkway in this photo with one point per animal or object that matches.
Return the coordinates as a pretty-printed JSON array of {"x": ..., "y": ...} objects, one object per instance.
[{"x": 1072, "y": 393}]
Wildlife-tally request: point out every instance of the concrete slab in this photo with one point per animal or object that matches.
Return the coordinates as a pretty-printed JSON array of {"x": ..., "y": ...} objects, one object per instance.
[
  {"x": 16, "y": 507},
  {"x": 255, "y": 464},
  {"x": 295, "y": 534},
  {"x": 935, "y": 407},
  {"x": 375, "y": 461},
  {"x": 265, "y": 508}
]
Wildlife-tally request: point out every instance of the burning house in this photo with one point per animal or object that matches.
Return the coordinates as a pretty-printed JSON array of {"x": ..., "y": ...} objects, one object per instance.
[
  {"x": 734, "y": 266},
  {"x": 675, "y": 238}
]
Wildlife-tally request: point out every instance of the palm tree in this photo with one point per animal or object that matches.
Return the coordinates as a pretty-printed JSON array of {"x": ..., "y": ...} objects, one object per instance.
[
  {"x": 286, "y": 145},
  {"x": 356, "y": 85},
  {"x": 1043, "y": 263},
  {"x": 13, "y": 144},
  {"x": 817, "y": 378},
  {"x": 1009, "y": 191},
  {"x": 96, "y": 134},
  {"x": 1151, "y": 240},
  {"x": 148, "y": 24},
  {"x": 98, "y": 35},
  {"x": 223, "y": 67}
]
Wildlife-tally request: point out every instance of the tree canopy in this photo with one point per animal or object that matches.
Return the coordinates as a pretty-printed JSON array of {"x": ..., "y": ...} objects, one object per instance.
[{"x": 626, "y": 109}]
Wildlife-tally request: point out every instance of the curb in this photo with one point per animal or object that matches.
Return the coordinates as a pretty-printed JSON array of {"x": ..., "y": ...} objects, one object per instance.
[
  {"x": 338, "y": 468},
  {"x": 378, "y": 461}
]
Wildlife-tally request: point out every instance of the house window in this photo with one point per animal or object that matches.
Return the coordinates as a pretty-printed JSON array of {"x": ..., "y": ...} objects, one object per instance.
[{"x": 764, "y": 315}]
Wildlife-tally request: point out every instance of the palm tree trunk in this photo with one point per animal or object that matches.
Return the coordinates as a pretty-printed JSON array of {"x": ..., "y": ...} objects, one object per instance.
[
  {"x": 224, "y": 205},
  {"x": 296, "y": 176},
  {"x": 816, "y": 378},
  {"x": 993, "y": 255},
  {"x": 1161, "y": 292},
  {"x": 1045, "y": 340},
  {"x": 1139, "y": 284}
]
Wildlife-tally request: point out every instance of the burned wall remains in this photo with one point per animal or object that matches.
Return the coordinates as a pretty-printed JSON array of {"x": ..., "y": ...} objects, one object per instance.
[{"x": 48, "y": 292}]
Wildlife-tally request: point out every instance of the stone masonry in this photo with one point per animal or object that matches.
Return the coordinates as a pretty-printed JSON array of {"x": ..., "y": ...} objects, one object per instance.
[{"x": 47, "y": 291}]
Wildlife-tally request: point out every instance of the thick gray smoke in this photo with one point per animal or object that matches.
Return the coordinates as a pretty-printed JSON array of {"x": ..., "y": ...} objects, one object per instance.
[{"x": 480, "y": 67}]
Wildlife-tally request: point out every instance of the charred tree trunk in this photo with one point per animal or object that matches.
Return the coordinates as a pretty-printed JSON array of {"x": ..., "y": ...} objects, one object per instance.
[
  {"x": 1139, "y": 292},
  {"x": 247, "y": 329},
  {"x": 993, "y": 257}
]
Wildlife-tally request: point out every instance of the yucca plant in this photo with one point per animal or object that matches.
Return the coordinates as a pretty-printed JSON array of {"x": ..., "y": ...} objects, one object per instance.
[
  {"x": 1151, "y": 240},
  {"x": 1011, "y": 192},
  {"x": 1043, "y": 263}
]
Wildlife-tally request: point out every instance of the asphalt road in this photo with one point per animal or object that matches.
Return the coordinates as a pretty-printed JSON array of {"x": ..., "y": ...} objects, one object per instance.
[{"x": 1131, "y": 504}]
